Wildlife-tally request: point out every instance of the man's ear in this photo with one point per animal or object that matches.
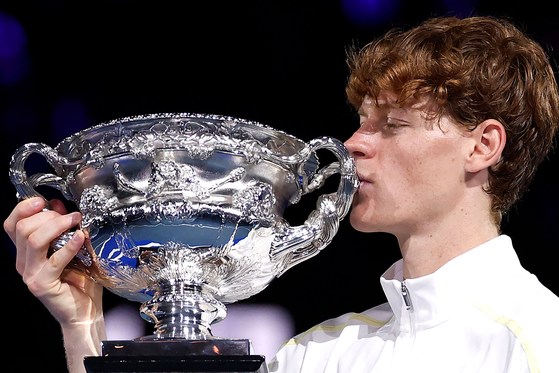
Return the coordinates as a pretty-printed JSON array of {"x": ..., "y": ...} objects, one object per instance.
[{"x": 489, "y": 141}]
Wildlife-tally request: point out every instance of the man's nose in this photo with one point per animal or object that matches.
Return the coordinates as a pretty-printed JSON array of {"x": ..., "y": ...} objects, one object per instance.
[{"x": 357, "y": 147}]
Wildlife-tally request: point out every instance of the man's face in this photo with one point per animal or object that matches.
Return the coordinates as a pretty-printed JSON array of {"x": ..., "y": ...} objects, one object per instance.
[{"x": 410, "y": 163}]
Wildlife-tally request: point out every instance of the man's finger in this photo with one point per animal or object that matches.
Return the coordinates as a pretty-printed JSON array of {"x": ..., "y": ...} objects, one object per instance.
[
  {"x": 24, "y": 228},
  {"x": 46, "y": 279},
  {"x": 60, "y": 259},
  {"x": 39, "y": 241},
  {"x": 22, "y": 210}
]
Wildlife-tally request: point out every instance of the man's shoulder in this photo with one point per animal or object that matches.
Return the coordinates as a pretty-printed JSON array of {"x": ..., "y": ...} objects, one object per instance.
[
  {"x": 374, "y": 317},
  {"x": 332, "y": 329},
  {"x": 319, "y": 344},
  {"x": 525, "y": 310},
  {"x": 523, "y": 297}
]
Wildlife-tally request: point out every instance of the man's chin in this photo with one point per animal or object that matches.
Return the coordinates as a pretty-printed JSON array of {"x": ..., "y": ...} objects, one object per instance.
[{"x": 360, "y": 225}]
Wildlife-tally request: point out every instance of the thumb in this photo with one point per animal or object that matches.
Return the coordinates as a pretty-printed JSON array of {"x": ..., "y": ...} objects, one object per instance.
[{"x": 60, "y": 258}]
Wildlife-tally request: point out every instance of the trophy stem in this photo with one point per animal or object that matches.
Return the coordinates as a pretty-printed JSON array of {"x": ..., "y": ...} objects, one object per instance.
[{"x": 182, "y": 311}]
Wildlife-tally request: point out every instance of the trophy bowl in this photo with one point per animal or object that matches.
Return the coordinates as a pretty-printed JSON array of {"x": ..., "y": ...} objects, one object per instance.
[{"x": 183, "y": 212}]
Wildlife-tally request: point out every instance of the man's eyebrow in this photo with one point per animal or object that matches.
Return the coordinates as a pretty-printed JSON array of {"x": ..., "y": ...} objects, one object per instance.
[
  {"x": 388, "y": 105},
  {"x": 398, "y": 119},
  {"x": 381, "y": 107}
]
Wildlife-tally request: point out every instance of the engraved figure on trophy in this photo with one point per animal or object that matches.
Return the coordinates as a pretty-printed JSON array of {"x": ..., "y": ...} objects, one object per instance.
[{"x": 183, "y": 212}]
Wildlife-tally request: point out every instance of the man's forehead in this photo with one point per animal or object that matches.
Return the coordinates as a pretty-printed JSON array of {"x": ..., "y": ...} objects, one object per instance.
[
  {"x": 383, "y": 99},
  {"x": 388, "y": 100}
]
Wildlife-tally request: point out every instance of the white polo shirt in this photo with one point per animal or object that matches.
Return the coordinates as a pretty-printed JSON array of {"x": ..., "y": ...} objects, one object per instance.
[{"x": 481, "y": 312}]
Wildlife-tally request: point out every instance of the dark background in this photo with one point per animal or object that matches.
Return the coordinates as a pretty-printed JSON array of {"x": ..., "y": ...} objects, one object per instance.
[{"x": 66, "y": 65}]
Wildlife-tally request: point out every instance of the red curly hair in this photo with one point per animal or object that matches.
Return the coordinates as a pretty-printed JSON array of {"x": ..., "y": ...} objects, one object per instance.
[{"x": 476, "y": 69}]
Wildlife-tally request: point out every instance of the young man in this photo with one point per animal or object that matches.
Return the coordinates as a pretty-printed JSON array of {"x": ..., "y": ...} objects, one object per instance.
[{"x": 455, "y": 117}]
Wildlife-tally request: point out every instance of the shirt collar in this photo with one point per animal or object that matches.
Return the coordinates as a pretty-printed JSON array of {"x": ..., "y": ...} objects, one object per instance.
[{"x": 435, "y": 297}]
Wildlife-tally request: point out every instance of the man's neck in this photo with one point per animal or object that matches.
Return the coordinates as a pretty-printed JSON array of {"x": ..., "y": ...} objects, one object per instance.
[{"x": 428, "y": 249}]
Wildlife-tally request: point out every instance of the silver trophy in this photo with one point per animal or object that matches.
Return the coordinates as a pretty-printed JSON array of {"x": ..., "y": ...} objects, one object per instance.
[{"x": 183, "y": 212}]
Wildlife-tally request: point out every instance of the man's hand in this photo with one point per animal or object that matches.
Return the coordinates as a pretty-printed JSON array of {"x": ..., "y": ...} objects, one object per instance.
[{"x": 72, "y": 297}]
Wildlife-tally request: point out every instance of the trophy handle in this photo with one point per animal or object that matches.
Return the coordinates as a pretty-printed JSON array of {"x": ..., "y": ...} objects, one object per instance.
[
  {"x": 25, "y": 185},
  {"x": 293, "y": 245}
]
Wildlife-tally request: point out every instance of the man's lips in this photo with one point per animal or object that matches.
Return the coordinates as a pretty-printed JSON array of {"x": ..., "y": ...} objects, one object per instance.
[
  {"x": 364, "y": 184},
  {"x": 362, "y": 178}
]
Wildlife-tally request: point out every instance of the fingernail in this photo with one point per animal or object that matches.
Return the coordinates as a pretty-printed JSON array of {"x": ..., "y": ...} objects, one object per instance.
[
  {"x": 74, "y": 217},
  {"x": 76, "y": 236},
  {"x": 36, "y": 202}
]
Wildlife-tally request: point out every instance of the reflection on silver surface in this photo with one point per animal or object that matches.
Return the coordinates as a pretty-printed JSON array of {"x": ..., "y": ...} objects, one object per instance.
[{"x": 184, "y": 212}]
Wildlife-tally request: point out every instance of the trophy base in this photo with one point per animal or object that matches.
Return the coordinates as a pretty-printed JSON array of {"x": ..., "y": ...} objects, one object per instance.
[{"x": 222, "y": 355}]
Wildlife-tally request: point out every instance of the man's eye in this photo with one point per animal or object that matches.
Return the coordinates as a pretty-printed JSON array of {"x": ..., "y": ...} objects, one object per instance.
[{"x": 392, "y": 123}]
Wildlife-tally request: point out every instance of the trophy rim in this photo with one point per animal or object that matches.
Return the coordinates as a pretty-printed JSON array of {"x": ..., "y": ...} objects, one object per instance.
[{"x": 173, "y": 115}]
